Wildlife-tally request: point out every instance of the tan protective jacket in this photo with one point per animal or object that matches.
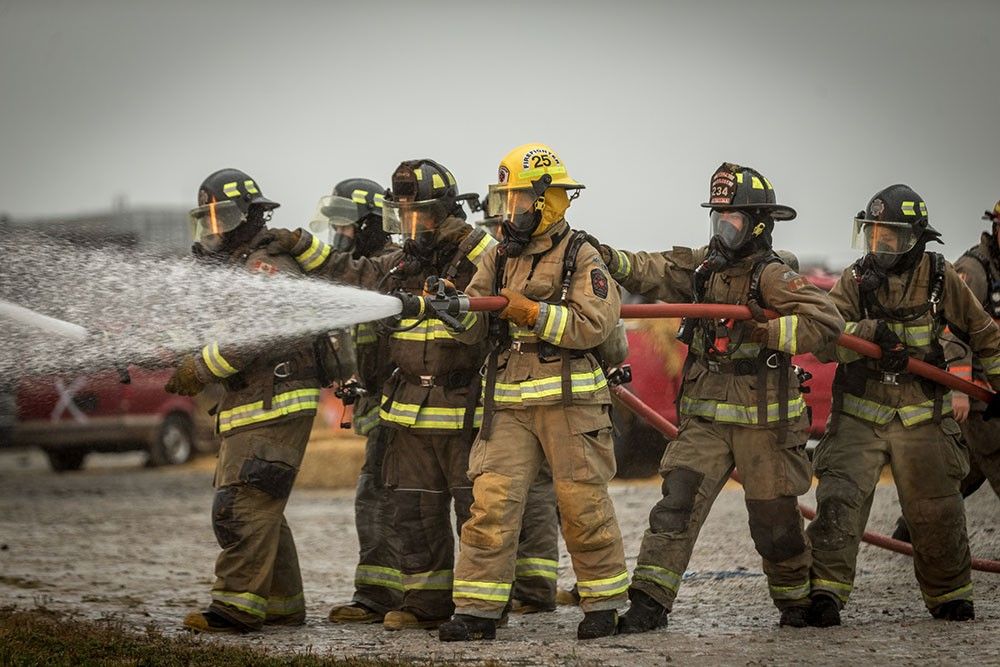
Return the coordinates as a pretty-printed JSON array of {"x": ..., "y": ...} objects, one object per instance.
[
  {"x": 915, "y": 402},
  {"x": 581, "y": 323},
  {"x": 430, "y": 391},
  {"x": 809, "y": 322},
  {"x": 263, "y": 386}
]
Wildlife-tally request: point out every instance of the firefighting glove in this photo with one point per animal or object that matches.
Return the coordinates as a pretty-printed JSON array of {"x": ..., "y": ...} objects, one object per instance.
[
  {"x": 185, "y": 380},
  {"x": 433, "y": 284},
  {"x": 520, "y": 310},
  {"x": 894, "y": 353},
  {"x": 279, "y": 241}
]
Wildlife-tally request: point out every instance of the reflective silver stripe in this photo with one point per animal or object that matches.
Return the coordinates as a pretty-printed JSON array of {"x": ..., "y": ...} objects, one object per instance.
[
  {"x": 581, "y": 383},
  {"x": 373, "y": 575},
  {"x": 314, "y": 256},
  {"x": 799, "y": 592},
  {"x": 842, "y": 591},
  {"x": 660, "y": 576},
  {"x": 421, "y": 331},
  {"x": 915, "y": 335},
  {"x": 600, "y": 588},
  {"x": 481, "y": 590},
  {"x": 439, "y": 580},
  {"x": 551, "y": 323},
  {"x": 286, "y": 606},
  {"x": 991, "y": 365},
  {"x": 286, "y": 403},
  {"x": 536, "y": 567},
  {"x": 788, "y": 331},
  {"x": 415, "y": 416},
  {"x": 729, "y": 413},
  {"x": 248, "y": 602},
  {"x": 876, "y": 413},
  {"x": 961, "y": 593},
  {"x": 364, "y": 423}
]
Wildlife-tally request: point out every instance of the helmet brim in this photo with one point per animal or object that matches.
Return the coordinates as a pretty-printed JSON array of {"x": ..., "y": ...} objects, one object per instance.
[
  {"x": 778, "y": 212},
  {"x": 264, "y": 202}
]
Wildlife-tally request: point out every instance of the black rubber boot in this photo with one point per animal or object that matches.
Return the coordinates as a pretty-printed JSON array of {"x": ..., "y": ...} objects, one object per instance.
[
  {"x": 794, "y": 617},
  {"x": 644, "y": 614},
  {"x": 956, "y": 610},
  {"x": 902, "y": 532},
  {"x": 465, "y": 628},
  {"x": 824, "y": 612},
  {"x": 597, "y": 624}
]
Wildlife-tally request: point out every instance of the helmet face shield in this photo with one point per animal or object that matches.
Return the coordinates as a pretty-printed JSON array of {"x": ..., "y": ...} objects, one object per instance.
[
  {"x": 887, "y": 241},
  {"x": 210, "y": 222},
  {"x": 732, "y": 228},
  {"x": 512, "y": 207},
  {"x": 412, "y": 219}
]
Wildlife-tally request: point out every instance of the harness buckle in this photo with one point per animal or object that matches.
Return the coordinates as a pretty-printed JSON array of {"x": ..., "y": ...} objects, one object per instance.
[
  {"x": 283, "y": 370},
  {"x": 515, "y": 346},
  {"x": 426, "y": 380},
  {"x": 772, "y": 361},
  {"x": 890, "y": 378},
  {"x": 714, "y": 366}
]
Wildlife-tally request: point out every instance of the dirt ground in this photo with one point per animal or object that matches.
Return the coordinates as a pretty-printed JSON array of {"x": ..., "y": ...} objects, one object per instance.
[{"x": 121, "y": 541}]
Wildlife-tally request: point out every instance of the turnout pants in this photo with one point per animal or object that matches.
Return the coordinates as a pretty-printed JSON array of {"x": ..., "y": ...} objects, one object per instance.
[
  {"x": 694, "y": 468},
  {"x": 426, "y": 472},
  {"x": 576, "y": 442},
  {"x": 928, "y": 462},
  {"x": 257, "y": 573},
  {"x": 536, "y": 569},
  {"x": 983, "y": 440},
  {"x": 378, "y": 581}
]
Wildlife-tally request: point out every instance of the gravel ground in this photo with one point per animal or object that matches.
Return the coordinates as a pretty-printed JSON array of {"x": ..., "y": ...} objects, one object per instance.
[{"x": 120, "y": 541}]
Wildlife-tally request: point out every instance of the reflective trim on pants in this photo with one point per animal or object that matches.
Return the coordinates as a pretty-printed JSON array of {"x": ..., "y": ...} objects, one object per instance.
[
  {"x": 490, "y": 591},
  {"x": 252, "y": 604},
  {"x": 962, "y": 593},
  {"x": 536, "y": 567},
  {"x": 374, "y": 575},
  {"x": 799, "y": 592},
  {"x": 660, "y": 576},
  {"x": 439, "y": 580},
  {"x": 286, "y": 606},
  {"x": 601, "y": 588},
  {"x": 842, "y": 591}
]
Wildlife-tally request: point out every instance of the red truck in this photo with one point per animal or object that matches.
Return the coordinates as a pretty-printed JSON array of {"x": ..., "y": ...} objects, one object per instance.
[{"x": 70, "y": 416}]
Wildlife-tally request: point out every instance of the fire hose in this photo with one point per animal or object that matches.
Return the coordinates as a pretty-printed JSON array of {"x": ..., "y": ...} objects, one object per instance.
[{"x": 735, "y": 312}]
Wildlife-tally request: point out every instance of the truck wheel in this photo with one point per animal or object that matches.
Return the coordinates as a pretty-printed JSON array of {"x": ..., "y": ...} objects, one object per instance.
[
  {"x": 174, "y": 442},
  {"x": 66, "y": 460}
]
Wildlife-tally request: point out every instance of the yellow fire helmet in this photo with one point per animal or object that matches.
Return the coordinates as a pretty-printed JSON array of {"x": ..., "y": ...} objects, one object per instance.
[{"x": 530, "y": 194}]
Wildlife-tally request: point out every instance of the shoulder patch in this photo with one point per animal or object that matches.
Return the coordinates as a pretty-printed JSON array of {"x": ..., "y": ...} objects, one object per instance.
[
  {"x": 797, "y": 283},
  {"x": 599, "y": 282},
  {"x": 260, "y": 266}
]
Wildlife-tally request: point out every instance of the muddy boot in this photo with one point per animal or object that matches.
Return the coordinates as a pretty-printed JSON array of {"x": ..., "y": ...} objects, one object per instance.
[
  {"x": 643, "y": 615},
  {"x": 902, "y": 532},
  {"x": 568, "y": 598},
  {"x": 354, "y": 612},
  {"x": 209, "y": 621},
  {"x": 824, "y": 612},
  {"x": 407, "y": 620},
  {"x": 597, "y": 624},
  {"x": 794, "y": 617},
  {"x": 956, "y": 610},
  {"x": 465, "y": 628}
]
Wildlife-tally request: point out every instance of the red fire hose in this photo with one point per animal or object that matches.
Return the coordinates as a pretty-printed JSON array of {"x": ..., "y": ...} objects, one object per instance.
[
  {"x": 661, "y": 424},
  {"x": 731, "y": 312}
]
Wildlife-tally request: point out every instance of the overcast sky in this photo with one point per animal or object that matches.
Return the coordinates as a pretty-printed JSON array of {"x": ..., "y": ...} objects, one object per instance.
[{"x": 830, "y": 100}]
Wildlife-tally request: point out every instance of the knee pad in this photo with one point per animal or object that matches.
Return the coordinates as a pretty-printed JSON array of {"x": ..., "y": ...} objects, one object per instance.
[
  {"x": 833, "y": 528},
  {"x": 672, "y": 513},
  {"x": 272, "y": 477},
  {"x": 225, "y": 523},
  {"x": 776, "y": 529}
]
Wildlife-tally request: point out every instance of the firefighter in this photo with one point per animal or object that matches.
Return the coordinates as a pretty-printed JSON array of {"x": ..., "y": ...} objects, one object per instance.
[
  {"x": 350, "y": 220},
  {"x": 264, "y": 419},
  {"x": 979, "y": 267},
  {"x": 545, "y": 400},
  {"x": 740, "y": 401},
  {"x": 428, "y": 404},
  {"x": 901, "y": 298}
]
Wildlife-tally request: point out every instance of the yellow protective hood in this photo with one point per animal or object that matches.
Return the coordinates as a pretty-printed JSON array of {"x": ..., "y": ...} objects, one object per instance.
[{"x": 556, "y": 201}]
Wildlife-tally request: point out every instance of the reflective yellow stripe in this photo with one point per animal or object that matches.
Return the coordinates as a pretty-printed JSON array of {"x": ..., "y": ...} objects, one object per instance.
[
  {"x": 359, "y": 196},
  {"x": 660, "y": 576},
  {"x": 423, "y": 331},
  {"x": 962, "y": 593},
  {"x": 364, "y": 334},
  {"x": 484, "y": 244},
  {"x": 248, "y": 602},
  {"x": 876, "y": 413},
  {"x": 624, "y": 268},
  {"x": 314, "y": 256},
  {"x": 364, "y": 423},
  {"x": 481, "y": 590},
  {"x": 286, "y": 606},
  {"x": 439, "y": 580},
  {"x": 788, "y": 331},
  {"x": 907, "y": 207},
  {"x": 555, "y": 170},
  {"x": 991, "y": 365},
  {"x": 379, "y": 199},
  {"x": 231, "y": 189},
  {"x": 842, "y": 591},
  {"x": 536, "y": 567},
  {"x": 373, "y": 575},
  {"x": 289, "y": 402},
  {"x": 551, "y": 324},
  {"x": 585, "y": 382},
  {"x": 437, "y": 181},
  {"x": 755, "y": 183},
  {"x": 842, "y": 354},
  {"x": 918, "y": 335},
  {"x": 251, "y": 188},
  {"x": 730, "y": 413},
  {"x": 215, "y": 362},
  {"x": 790, "y": 592},
  {"x": 599, "y": 588},
  {"x": 415, "y": 416}
]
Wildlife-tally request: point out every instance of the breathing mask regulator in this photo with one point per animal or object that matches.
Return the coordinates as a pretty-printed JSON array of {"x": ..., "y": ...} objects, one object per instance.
[{"x": 893, "y": 231}]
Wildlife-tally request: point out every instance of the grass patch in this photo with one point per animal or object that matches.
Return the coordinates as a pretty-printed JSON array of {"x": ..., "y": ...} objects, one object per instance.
[{"x": 43, "y": 637}]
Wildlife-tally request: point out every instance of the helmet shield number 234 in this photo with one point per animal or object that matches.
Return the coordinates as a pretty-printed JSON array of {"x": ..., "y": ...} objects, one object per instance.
[{"x": 211, "y": 221}]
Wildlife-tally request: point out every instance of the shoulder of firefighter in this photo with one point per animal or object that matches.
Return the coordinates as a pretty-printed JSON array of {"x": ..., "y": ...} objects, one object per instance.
[
  {"x": 666, "y": 275},
  {"x": 264, "y": 385},
  {"x": 318, "y": 258},
  {"x": 918, "y": 307}
]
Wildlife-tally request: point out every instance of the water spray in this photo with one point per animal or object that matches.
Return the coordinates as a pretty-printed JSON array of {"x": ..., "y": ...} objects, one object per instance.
[{"x": 36, "y": 320}]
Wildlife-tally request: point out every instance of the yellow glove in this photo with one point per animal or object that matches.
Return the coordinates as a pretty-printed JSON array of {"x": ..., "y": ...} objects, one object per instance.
[
  {"x": 520, "y": 310},
  {"x": 185, "y": 380}
]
